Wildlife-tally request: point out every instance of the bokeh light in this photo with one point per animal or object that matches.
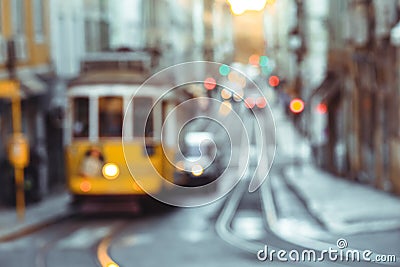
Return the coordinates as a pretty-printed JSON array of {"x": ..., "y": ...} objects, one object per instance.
[
  {"x": 197, "y": 170},
  {"x": 264, "y": 61},
  {"x": 274, "y": 81},
  {"x": 250, "y": 102},
  {"x": 266, "y": 70},
  {"x": 238, "y": 96},
  {"x": 322, "y": 108},
  {"x": 85, "y": 186},
  {"x": 210, "y": 83},
  {"x": 254, "y": 59},
  {"x": 297, "y": 105},
  {"x": 237, "y": 78},
  {"x": 224, "y": 70},
  {"x": 261, "y": 102},
  {"x": 238, "y": 7},
  {"x": 225, "y": 108},
  {"x": 226, "y": 94}
]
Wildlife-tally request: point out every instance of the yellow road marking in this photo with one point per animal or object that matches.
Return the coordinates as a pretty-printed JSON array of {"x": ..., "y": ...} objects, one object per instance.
[{"x": 102, "y": 253}]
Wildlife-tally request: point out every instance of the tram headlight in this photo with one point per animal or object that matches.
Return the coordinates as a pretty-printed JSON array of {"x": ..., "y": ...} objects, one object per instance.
[
  {"x": 197, "y": 170},
  {"x": 110, "y": 171}
]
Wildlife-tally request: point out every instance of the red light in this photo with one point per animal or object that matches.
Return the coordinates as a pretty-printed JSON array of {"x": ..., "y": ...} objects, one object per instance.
[
  {"x": 210, "y": 83},
  {"x": 261, "y": 102},
  {"x": 297, "y": 105},
  {"x": 249, "y": 102},
  {"x": 274, "y": 81},
  {"x": 322, "y": 108},
  {"x": 254, "y": 59},
  {"x": 85, "y": 186}
]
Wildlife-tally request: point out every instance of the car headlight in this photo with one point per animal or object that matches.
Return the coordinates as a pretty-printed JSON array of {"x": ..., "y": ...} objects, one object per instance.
[
  {"x": 197, "y": 170},
  {"x": 110, "y": 171}
]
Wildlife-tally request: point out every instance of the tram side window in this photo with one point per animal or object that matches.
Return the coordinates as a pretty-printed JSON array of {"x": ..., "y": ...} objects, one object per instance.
[
  {"x": 111, "y": 116},
  {"x": 141, "y": 108},
  {"x": 81, "y": 117}
]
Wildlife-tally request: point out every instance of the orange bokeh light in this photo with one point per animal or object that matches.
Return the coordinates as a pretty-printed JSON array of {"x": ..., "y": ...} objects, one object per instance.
[
  {"x": 254, "y": 59},
  {"x": 85, "y": 186},
  {"x": 297, "y": 105}
]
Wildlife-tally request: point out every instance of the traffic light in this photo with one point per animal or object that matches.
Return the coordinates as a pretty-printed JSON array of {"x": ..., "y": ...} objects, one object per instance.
[
  {"x": 274, "y": 81},
  {"x": 322, "y": 108},
  {"x": 297, "y": 106}
]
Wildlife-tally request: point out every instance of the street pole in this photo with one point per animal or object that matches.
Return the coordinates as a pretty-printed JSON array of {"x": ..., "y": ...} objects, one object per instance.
[
  {"x": 18, "y": 148},
  {"x": 18, "y": 168}
]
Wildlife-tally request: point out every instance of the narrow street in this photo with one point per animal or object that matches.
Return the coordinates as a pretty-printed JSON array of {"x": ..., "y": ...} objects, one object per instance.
[
  {"x": 229, "y": 232},
  {"x": 193, "y": 133}
]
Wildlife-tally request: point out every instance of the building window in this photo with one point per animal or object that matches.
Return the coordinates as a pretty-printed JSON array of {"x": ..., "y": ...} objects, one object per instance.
[
  {"x": 38, "y": 20},
  {"x": 111, "y": 116},
  {"x": 142, "y": 117},
  {"x": 18, "y": 20},
  {"x": 80, "y": 117},
  {"x": 18, "y": 17}
]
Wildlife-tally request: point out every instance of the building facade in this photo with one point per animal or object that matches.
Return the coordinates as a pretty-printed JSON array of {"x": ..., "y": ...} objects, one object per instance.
[
  {"x": 346, "y": 71},
  {"x": 26, "y": 23}
]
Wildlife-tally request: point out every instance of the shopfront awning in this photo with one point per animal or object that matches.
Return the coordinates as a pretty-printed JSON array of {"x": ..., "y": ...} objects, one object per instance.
[
  {"x": 31, "y": 85},
  {"x": 27, "y": 85}
]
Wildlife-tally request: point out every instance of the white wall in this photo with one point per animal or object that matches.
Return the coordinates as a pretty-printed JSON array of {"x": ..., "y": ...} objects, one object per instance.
[
  {"x": 317, "y": 39},
  {"x": 126, "y": 21},
  {"x": 280, "y": 19},
  {"x": 67, "y": 36}
]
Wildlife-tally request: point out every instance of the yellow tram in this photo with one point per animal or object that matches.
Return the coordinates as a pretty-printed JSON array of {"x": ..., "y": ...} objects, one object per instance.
[{"x": 101, "y": 114}]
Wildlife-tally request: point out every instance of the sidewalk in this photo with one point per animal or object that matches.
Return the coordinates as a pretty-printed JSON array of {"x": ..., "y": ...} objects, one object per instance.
[
  {"x": 39, "y": 215},
  {"x": 312, "y": 208},
  {"x": 342, "y": 206}
]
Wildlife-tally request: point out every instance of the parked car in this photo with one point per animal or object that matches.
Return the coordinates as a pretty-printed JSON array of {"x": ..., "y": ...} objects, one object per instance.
[{"x": 198, "y": 164}]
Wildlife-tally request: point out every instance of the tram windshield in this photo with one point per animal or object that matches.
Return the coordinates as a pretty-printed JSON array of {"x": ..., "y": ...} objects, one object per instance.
[
  {"x": 81, "y": 117},
  {"x": 143, "y": 121},
  {"x": 110, "y": 116}
]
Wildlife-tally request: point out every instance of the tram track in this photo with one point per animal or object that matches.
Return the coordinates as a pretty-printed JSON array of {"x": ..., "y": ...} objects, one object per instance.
[
  {"x": 226, "y": 217},
  {"x": 34, "y": 228},
  {"x": 99, "y": 252},
  {"x": 45, "y": 249},
  {"x": 231, "y": 209},
  {"x": 103, "y": 256}
]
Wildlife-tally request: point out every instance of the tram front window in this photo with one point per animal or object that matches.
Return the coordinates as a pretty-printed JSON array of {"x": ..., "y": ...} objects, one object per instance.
[
  {"x": 110, "y": 116},
  {"x": 81, "y": 117},
  {"x": 143, "y": 121}
]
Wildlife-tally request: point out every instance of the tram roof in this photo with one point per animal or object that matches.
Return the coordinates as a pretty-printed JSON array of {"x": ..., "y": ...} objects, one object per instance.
[{"x": 117, "y": 77}]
